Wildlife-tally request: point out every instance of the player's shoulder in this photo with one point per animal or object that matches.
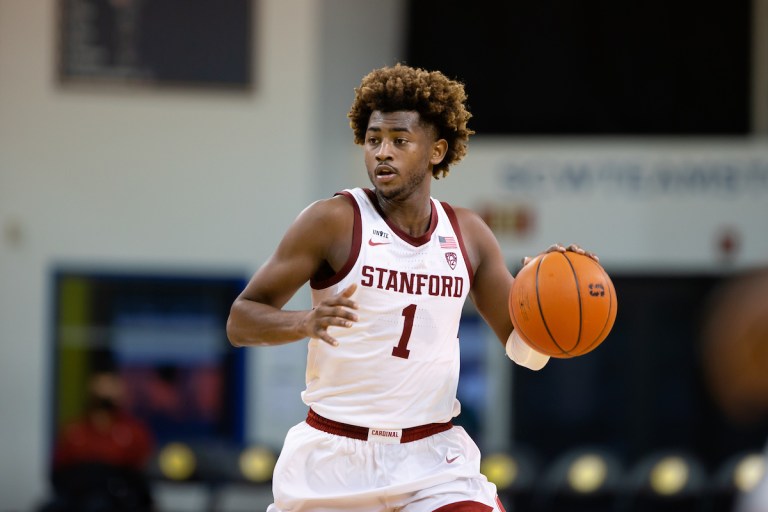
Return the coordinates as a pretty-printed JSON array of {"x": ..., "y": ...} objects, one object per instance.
[
  {"x": 326, "y": 219},
  {"x": 337, "y": 207},
  {"x": 469, "y": 220}
]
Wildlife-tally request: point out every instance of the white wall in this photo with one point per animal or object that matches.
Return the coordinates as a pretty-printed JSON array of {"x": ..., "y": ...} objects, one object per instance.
[
  {"x": 643, "y": 205},
  {"x": 113, "y": 177},
  {"x": 178, "y": 179}
]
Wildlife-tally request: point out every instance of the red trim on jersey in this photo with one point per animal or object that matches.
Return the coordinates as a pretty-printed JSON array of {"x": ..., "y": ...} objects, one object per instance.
[
  {"x": 415, "y": 241},
  {"x": 354, "y": 251},
  {"x": 455, "y": 223},
  {"x": 465, "y": 506}
]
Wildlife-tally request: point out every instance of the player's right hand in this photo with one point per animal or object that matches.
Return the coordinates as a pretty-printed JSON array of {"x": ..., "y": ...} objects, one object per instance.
[
  {"x": 335, "y": 311},
  {"x": 560, "y": 248}
]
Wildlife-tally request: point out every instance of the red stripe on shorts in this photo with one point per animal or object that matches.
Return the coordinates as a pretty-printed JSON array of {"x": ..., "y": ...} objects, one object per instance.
[{"x": 356, "y": 432}]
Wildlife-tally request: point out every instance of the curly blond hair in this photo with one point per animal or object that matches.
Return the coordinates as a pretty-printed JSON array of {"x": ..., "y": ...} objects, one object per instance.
[{"x": 439, "y": 101}]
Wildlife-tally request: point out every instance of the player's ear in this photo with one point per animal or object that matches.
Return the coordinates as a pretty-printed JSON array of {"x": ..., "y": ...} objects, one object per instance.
[{"x": 439, "y": 149}]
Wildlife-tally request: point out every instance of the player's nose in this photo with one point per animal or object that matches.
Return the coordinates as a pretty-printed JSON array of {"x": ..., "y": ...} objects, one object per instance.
[{"x": 383, "y": 153}]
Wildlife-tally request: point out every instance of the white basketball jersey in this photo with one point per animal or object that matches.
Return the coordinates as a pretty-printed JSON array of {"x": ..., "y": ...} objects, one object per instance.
[{"x": 398, "y": 366}]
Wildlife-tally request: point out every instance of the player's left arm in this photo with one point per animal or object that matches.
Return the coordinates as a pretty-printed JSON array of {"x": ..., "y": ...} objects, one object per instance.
[
  {"x": 492, "y": 279},
  {"x": 491, "y": 285}
]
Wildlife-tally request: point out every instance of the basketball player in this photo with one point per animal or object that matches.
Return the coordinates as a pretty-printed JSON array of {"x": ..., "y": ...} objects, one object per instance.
[{"x": 389, "y": 268}]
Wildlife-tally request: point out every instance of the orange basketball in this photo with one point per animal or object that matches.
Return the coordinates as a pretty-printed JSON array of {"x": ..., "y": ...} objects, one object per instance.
[{"x": 563, "y": 304}]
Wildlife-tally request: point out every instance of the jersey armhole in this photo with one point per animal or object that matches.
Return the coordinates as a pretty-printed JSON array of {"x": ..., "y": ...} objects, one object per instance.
[
  {"x": 449, "y": 211},
  {"x": 354, "y": 251}
]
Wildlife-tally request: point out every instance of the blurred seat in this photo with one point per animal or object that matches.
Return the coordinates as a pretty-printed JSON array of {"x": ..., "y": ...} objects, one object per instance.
[
  {"x": 202, "y": 461},
  {"x": 249, "y": 488},
  {"x": 751, "y": 477},
  {"x": 584, "y": 479},
  {"x": 666, "y": 480},
  {"x": 196, "y": 471},
  {"x": 98, "y": 487},
  {"x": 739, "y": 475},
  {"x": 241, "y": 497},
  {"x": 514, "y": 472}
]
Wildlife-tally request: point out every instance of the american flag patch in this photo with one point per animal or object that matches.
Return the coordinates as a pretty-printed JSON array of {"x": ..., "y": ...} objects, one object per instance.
[{"x": 447, "y": 242}]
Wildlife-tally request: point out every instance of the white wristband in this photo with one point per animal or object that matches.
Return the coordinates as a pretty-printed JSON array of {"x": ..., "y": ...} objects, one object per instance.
[{"x": 521, "y": 353}]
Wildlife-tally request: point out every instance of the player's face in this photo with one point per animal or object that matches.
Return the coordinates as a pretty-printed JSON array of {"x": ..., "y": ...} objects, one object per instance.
[{"x": 400, "y": 151}]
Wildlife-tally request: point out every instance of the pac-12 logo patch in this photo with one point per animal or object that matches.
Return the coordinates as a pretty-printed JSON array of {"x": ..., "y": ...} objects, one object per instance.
[{"x": 451, "y": 258}]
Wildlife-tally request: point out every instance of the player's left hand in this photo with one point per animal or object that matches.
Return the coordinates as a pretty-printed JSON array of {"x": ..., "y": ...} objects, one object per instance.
[
  {"x": 335, "y": 311},
  {"x": 560, "y": 248}
]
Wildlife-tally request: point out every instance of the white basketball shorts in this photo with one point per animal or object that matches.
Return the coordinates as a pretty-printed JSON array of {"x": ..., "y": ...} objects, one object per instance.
[{"x": 322, "y": 472}]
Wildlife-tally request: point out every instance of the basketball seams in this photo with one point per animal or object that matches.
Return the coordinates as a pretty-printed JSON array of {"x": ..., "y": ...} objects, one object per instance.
[
  {"x": 516, "y": 322},
  {"x": 578, "y": 294},
  {"x": 541, "y": 311},
  {"x": 608, "y": 324}
]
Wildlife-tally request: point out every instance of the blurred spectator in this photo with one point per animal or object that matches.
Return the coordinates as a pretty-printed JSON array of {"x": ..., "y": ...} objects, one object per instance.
[
  {"x": 99, "y": 459},
  {"x": 735, "y": 346},
  {"x": 736, "y": 364}
]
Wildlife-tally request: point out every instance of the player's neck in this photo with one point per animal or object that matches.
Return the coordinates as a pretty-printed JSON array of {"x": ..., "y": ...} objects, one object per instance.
[
  {"x": 412, "y": 215},
  {"x": 415, "y": 226}
]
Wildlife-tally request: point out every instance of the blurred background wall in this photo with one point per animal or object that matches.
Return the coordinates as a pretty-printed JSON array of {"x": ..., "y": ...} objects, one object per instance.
[
  {"x": 205, "y": 181},
  {"x": 172, "y": 178}
]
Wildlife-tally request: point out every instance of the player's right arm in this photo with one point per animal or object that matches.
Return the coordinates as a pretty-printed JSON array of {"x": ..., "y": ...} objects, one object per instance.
[{"x": 320, "y": 237}]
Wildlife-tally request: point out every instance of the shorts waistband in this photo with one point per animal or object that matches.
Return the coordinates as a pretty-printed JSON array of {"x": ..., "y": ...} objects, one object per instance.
[{"x": 405, "y": 435}]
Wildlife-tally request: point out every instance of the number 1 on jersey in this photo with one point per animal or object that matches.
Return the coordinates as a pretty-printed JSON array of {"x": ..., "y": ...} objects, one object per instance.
[{"x": 401, "y": 350}]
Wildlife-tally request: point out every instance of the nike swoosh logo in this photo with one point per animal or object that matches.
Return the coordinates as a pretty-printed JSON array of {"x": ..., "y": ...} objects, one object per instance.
[
  {"x": 450, "y": 461},
  {"x": 374, "y": 244}
]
